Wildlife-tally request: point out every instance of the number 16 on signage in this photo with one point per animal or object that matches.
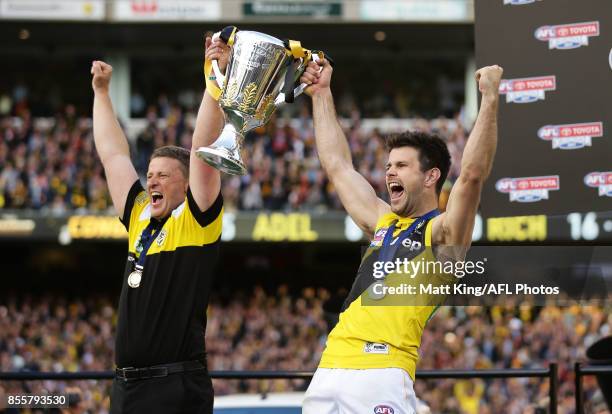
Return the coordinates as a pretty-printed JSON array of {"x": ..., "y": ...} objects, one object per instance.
[{"x": 584, "y": 229}]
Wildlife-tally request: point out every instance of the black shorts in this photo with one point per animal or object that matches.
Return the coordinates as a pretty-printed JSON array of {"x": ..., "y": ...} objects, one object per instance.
[{"x": 185, "y": 392}]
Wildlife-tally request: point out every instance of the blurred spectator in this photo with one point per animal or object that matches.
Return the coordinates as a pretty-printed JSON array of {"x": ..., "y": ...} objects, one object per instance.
[
  {"x": 52, "y": 165},
  {"x": 277, "y": 331}
]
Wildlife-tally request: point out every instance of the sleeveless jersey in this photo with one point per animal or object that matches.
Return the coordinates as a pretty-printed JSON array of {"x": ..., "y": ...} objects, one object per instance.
[{"x": 385, "y": 333}]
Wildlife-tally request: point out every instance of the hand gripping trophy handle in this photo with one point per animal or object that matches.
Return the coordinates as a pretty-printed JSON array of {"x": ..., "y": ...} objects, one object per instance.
[
  {"x": 217, "y": 82},
  {"x": 260, "y": 76}
]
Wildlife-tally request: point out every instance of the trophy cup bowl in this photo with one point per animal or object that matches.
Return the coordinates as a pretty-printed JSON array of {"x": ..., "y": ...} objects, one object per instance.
[{"x": 260, "y": 76}]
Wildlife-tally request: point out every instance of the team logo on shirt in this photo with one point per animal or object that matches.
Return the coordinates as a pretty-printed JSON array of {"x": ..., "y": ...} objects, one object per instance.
[
  {"x": 527, "y": 90},
  {"x": 571, "y": 136},
  {"x": 601, "y": 180},
  {"x": 519, "y": 2},
  {"x": 383, "y": 409},
  {"x": 567, "y": 36},
  {"x": 161, "y": 237},
  {"x": 379, "y": 236},
  {"x": 528, "y": 189}
]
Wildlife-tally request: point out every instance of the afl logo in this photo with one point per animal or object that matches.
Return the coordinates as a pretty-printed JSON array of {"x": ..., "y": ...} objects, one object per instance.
[
  {"x": 527, "y": 90},
  {"x": 571, "y": 136},
  {"x": 528, "y": 189},
  {"x": 567, "y": 36},
  {"x": 383, "y": 409},
  {"x": 600, "y": 180}
]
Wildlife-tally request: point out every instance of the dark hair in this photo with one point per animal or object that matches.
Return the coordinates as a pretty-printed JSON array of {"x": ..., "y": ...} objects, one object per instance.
[
  {"x": 178, "y": 153},
  {"x": 433, "y": 152}
]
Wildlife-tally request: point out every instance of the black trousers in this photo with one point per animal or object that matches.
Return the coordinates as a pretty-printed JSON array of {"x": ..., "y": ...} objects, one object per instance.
[{"x": 181, "y": 393}]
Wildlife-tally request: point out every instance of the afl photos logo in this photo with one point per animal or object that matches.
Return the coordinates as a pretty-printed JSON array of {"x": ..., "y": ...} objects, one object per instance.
[
  {"x": 527, "y": 90},
  {"x": 528, "y": 189},
  {"x": 567, "y": 36},
  {"x": 601, "y": 180},
  {"x": 571, "y": 136}
]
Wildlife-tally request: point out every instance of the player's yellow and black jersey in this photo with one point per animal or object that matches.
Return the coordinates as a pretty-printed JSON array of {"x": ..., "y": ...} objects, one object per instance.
[
  {"x": 164, "y": 319},
  {"x": 388, "y": 334}
]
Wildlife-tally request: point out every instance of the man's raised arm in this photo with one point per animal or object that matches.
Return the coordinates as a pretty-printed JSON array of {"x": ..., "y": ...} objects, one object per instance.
[
  {"x": 357, "y": 195},
  {"x": 204, "y": 180},
  {"x": 454, "y": 227},
  {"x": 111, "y": 144}
]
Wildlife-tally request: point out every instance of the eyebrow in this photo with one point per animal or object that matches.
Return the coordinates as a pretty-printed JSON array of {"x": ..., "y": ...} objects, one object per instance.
[
  {"x": 157, "y": 172},
  {"x": 388, "y": 164}
]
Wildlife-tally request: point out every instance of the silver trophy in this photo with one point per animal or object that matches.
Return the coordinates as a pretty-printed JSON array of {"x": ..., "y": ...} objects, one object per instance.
[{"x": 260, "y": 76}]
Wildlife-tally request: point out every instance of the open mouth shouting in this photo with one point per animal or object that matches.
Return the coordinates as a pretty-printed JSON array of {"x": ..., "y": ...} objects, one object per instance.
[
  {"x": 156, "y": 198},
  {"x": 396, "y": 190}
]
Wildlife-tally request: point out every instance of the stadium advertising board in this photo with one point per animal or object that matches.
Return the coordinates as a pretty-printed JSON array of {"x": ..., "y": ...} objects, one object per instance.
[
  {"x": 554, "y": 153},
  {"x": 52, "y": 9},
  {"x": 166, "y": 10},
  {"x": 309, "y": 228},
  {"x": 415, "y": 10},
  {"x": 271, "y": 8}
]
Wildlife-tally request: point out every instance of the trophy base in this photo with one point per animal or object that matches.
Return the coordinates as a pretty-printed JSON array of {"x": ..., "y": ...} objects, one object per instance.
[{"x": 221, "y": 159}]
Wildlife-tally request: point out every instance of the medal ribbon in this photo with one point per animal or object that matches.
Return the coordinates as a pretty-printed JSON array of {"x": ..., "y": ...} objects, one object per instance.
[
  {"x": 146, "y": 240},
  {"x": 387, "y": 251}
]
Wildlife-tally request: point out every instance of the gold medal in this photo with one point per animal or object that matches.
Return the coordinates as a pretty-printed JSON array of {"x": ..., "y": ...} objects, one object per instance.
[{"x": 134, "y": 278}]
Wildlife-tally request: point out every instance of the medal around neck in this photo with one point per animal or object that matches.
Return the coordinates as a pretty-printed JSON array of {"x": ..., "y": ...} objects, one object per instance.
[
  {"x": 142, "y": 247},
  {"x": 135, "y": 277}
]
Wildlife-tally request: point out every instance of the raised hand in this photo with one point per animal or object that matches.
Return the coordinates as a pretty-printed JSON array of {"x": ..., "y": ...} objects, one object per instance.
[
  {"x": 217, "y": 49},
  {"x": 102, "y": 73},
  {"x": 488, "y": 79},
  {"x": 318, "y": 76}
]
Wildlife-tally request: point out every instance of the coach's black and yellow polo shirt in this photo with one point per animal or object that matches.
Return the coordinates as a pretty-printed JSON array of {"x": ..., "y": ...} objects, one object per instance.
[
  {"x": 388, "y": 334},
  {"x": 164, "y": 319}
]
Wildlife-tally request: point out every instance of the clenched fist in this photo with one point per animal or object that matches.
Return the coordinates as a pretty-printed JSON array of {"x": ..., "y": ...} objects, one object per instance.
[
  {"x": 488, "y": 79},
  {"x": 102, "y": 73},
  {"x": 318, "y": 76}
]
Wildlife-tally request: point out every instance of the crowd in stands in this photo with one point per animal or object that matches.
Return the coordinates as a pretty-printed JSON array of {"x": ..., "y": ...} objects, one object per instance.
[
  {"x": 264, "y": 330},
  {"x": 51, "y": 165}
]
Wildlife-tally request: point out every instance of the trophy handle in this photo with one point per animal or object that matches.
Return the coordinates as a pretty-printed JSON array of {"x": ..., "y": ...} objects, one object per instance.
[
  {"x": 315, "y": 57},
  {"x": 227, "y": 35},
  {"x": 219, "y": 77}
]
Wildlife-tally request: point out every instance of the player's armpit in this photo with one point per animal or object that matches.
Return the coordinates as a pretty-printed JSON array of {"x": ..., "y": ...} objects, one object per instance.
[{"x": 454, "y": 227}]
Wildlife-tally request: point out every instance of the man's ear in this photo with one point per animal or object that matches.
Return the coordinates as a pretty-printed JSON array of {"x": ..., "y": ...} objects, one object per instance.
[{"x": 432, "y": 176}]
